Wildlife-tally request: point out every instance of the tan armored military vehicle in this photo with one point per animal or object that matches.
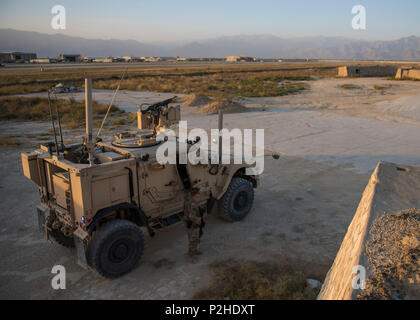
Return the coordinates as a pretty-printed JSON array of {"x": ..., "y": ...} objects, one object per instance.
[{"x": 102, "y": 197}]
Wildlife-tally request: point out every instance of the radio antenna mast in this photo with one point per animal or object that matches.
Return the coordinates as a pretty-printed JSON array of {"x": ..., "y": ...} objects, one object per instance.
[
  {"x": 59, "y": 122},
  {"x": 112, "y": 101},
  {"x": 53, "y": 123}
]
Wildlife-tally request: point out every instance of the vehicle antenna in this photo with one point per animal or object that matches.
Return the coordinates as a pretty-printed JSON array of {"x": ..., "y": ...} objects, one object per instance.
[
  {"x": 112, "y": 101},
  {"x": 53, "y": 123},
  {"x": 59, "y": 122}
]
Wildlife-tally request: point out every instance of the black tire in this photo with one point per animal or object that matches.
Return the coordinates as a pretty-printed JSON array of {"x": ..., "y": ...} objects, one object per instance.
[
  {"x": 116, "y": 248},
  {"x": 237, "y": 201}
]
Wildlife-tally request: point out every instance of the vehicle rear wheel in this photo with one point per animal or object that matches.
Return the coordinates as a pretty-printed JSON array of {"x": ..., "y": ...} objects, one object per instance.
[
  {"x": 237, "y": 201},
  {"x": 116, "y": 248}
]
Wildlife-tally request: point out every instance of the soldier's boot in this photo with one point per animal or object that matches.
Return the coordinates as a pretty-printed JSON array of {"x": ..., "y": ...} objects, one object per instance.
[
  {"x": 193, "y": 240},
  {"x": 193, "y": 255},
  {"x": 192, "y": 259},
  {"x": 194, "y": 252}
]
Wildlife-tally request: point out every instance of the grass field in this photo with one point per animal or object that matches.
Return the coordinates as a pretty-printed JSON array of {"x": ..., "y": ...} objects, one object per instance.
[
  {"x": 349, "y": 86},
  {"x": 72, "y": 113},
  {"x": 9, "y": 141},
  {"x": 216, "y": 81}
]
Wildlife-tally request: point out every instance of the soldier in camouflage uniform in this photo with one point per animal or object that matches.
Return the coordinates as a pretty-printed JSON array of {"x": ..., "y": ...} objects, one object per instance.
[{"x": 194, "y": 220}]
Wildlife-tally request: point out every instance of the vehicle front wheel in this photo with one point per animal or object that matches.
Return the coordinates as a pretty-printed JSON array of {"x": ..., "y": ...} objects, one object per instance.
[
  {"x": 116, "y": 248},
  {"x": 237, "y": 201}
]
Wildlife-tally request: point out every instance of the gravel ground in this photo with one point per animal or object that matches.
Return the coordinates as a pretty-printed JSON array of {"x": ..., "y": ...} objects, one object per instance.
[{"x": 393, "y": 251}]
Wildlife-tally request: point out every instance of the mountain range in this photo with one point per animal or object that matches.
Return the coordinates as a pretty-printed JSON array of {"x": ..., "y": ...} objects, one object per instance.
[{"x": 261, "y": 46}]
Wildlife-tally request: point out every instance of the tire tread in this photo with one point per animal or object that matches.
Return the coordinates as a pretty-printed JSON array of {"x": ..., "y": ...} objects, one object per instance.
[
  {"x": 98, "y": 240},
  {"x": 224, "y": 211}
]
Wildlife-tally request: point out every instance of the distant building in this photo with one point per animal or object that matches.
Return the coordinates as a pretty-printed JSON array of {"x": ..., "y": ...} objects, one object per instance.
[
  {"x": 207, "y": 59},
  {"x": 87, "y": 59},
  {"x": 128, "y": 58},
  {"x": 103, "y": 60},
  {"x": 132, "y": 59},
  {"x": 367, "y": 71},
  {"x": 42, "y": 60},
  {"x": 299, "y": 60},
  {"x": 70, "y": 57},
  {"x": 181, "y": 59},
  {"x": 152, "y": 59},
  {"x": 233, "y": 58},
  {"x": 408, "y": 73},
  {"x": 10, "y": 57},
  {"x": 240, "y": 59}
]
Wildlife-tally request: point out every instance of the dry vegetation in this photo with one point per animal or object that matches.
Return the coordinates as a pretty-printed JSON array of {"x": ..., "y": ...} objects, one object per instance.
[
  {"x": 30, "y": 109},
  {"x": 215, "y": 81},
  {"x": 23, "y": 88},
  {"x": 378, "y": 87},
  {"x": 216, "y": 85},
  {"x": 350, "y": 86},
  {"x": 235, "y": 280},
  {"x": 9, "y": 141}
]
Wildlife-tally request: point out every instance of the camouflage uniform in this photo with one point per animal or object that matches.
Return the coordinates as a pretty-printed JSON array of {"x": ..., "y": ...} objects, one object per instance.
[{"x": 193, "y": 220}]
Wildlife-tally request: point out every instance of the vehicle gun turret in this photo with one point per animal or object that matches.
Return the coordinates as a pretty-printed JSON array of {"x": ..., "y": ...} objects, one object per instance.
[{"x": 158, "y": 116}]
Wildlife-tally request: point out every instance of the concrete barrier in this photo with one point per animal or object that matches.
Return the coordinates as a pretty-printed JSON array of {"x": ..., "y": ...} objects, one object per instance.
[
  {"x": 367, "y": 71},
  {"x": 408, "y": 73},
  {"x": 391, "y": 188}
]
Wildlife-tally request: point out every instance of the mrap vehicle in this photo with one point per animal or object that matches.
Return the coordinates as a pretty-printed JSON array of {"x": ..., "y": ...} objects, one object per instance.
[{"x": 103, "y": 197}]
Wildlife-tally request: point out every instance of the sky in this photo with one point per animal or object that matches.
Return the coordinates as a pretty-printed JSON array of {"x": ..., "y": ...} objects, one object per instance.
[{"x": 187, "y": 20}]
